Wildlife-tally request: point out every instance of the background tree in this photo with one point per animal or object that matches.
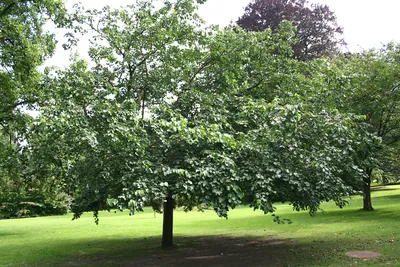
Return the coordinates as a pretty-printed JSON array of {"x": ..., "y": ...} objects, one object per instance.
[
  {"x": 373, "y": 91},
  {"x": 24, "y": 46},
  {"x": 318, "y": 33}
]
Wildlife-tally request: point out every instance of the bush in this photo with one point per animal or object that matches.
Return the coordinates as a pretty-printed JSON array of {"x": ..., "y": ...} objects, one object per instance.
[{"x": 21, "y": 200}]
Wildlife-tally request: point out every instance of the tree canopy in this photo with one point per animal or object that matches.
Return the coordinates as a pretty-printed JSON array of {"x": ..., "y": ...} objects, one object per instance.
[
  {"x": 230, "y": 114},
  {"x": 24, "y": 46},
  {"x": 372, "y": 89}
]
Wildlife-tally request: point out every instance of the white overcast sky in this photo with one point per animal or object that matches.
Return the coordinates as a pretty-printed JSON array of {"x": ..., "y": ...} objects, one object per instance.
[{"x": 367, "y": 23}]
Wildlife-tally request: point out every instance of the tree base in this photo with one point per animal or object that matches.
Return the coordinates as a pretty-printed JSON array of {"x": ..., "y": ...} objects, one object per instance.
[
  {"x": 368, "y": 209},
  {"x": 169, "y": 247},
  {"x": 168, "y": 213}
]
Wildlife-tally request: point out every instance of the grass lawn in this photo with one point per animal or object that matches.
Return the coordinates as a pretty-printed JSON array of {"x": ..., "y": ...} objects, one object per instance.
[{"x": 247, "y": 238}]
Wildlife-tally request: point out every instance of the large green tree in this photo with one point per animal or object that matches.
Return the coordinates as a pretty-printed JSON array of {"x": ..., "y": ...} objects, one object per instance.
[{"x": 230, "y": 114}]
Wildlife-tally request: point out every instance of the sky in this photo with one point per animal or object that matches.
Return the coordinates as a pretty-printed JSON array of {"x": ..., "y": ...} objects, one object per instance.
[{"x": 367, "y": 23}]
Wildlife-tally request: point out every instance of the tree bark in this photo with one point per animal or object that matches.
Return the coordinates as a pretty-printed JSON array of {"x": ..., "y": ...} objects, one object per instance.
[
  {"x": 168, "y": 212},
  {"x": 367, "y": 205}
]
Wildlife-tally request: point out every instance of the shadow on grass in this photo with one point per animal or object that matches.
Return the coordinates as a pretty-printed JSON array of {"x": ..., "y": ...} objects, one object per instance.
[
  {"x": 392, "y": 198},
  {"x": 194, "y": 251},
  {"x": 379, "y": 214},
  {"x": 7, "y": 234},
  {"x": 383, "y": 188},
  {"x": 199, "y": 251}
]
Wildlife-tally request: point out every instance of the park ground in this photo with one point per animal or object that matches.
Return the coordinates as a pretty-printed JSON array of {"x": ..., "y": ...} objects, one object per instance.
[{"x": 247, "y": 238}]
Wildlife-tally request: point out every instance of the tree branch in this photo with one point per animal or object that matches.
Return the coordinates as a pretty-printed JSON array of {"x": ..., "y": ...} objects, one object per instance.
[
  {"x": 200, "y": 69},
  {"x": 255, "y": 85}
]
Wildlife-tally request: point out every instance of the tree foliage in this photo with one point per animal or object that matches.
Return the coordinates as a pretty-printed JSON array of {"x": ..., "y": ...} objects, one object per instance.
[
  {"x": 24, "y": 46},
  {"x": 318, "y": 33},
  {"x": 373, "y": 90}
]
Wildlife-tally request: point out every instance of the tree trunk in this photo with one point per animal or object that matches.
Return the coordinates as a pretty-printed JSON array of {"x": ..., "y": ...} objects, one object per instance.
[
  {"x": 367, "y": 191},
  {"x": 168, "y": 213}
]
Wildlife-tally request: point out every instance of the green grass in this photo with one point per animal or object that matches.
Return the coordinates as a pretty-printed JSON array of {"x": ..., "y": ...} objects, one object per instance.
[{"x": 319, "y": 241}]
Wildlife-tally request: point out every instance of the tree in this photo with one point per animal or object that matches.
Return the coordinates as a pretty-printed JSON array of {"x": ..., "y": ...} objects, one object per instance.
[
  {"x": 24, "y": 46},
  {"x": 230, "y": 115},
  {"x": 373, "y": 91},
  {"x": 317, "y": 31},
  {"x": 144, "y": 48}
]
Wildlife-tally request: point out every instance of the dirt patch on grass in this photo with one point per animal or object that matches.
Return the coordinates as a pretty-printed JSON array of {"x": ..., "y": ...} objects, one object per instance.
[{"x": 363, "y": 254}]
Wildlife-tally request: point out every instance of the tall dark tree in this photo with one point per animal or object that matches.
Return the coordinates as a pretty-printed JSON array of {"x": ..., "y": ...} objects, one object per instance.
[{"x": 317, "y": 30}]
